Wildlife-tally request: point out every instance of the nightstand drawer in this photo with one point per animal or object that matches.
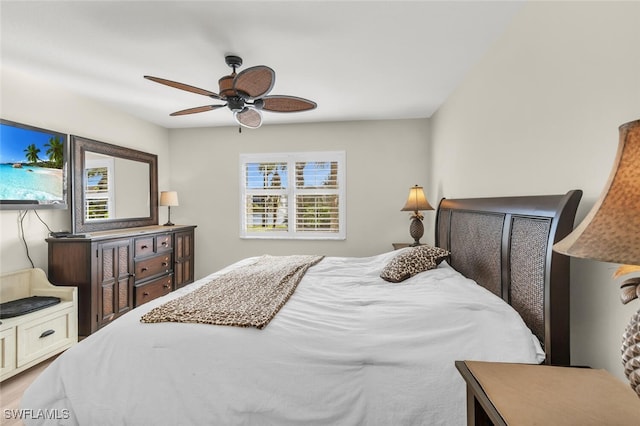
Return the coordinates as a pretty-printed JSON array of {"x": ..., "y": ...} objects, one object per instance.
[
  {"x": 153, "y": 266},
  {"x": 45, "y": 334},
  {"x": 153, "y": 289}
]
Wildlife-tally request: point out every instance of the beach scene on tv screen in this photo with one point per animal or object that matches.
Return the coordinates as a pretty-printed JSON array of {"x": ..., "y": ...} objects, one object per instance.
[{"x": 31, "y": 163}]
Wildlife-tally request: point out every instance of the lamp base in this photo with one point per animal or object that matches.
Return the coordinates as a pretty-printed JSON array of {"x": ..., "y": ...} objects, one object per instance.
[
  {"x": 631, "y": 352},
  {"x": 416, "y": 230},
  {"x": 169, "y": 223}
]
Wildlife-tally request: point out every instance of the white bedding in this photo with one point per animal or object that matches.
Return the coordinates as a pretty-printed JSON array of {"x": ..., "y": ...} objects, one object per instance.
[{"x": 347, "y": 349}]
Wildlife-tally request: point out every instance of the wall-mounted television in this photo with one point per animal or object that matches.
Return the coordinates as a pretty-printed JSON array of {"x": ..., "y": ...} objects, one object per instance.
[{"x": 33, "y": 167}]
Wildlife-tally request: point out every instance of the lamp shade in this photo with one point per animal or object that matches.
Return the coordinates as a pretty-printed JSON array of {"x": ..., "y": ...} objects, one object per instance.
[
  {"x": 416, "y": 200},
  {"x": 611, "y": 230},
  {"x": 169, "y": 198}
]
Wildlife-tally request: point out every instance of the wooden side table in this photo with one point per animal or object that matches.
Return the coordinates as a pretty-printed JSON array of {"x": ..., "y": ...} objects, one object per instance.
[
  {"x": 398, "y": 246},
  {"x": 527, "y": 394}
]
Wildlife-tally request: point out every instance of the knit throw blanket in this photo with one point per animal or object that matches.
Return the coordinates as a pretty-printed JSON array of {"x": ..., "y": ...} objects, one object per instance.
[{"x": 247, "y": 297}]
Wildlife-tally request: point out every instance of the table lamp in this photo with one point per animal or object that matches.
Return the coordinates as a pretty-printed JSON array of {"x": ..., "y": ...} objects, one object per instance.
[
  {"x": 611, "y": 233},
  {"x": 169, "y": 198},
  {"x": 415, "y": 203}
]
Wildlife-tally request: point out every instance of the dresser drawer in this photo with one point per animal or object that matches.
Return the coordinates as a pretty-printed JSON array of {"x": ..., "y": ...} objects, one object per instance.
[
  {"x": 156, "y": 265},
  {"x": 163, "y": 242},
  {"x": 144, "y": 247},
  {"x": 153, "y": 289},
  {"x": 45, "y": 334},
  {"x": 147, "y": 246}
]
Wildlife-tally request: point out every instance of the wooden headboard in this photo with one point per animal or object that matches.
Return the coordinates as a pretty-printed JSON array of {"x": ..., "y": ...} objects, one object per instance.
[{"x": 505, "y": 245}]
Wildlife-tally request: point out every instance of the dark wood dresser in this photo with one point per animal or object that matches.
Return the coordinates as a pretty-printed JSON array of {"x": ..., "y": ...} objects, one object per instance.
[{"x": 115, "y": 271}]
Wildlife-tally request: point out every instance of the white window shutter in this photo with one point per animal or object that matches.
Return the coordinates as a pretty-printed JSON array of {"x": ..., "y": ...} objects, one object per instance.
[{"x": 293, "y": 195}]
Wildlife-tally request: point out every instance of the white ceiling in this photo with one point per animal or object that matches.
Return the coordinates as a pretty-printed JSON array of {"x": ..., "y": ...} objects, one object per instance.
[{"x": 359, "y": 60}]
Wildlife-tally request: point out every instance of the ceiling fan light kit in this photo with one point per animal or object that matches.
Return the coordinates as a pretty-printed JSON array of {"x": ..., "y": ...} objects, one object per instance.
[{"x": 245, "y": 94}]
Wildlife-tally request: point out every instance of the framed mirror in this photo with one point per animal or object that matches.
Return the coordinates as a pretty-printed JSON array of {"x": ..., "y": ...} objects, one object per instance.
[{"x": 113, "y": 187}]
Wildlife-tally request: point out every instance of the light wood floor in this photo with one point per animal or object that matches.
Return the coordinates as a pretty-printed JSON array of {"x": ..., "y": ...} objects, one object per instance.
[{"x": 11, "y": 391}]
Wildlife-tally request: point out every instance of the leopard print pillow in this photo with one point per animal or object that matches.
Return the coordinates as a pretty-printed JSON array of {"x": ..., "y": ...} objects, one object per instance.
[{"x": 412, "y": 262}]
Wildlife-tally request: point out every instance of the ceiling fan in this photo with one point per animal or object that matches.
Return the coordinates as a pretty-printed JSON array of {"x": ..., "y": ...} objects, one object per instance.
[{"x": 244, "y": 93}]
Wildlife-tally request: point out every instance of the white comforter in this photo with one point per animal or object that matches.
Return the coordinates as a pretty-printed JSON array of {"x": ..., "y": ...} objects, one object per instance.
[{"x": 347, "y": 349}]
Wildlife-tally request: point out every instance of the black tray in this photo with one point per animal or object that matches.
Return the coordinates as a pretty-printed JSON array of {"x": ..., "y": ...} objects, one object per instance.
[{"x": 19, "y": 307}]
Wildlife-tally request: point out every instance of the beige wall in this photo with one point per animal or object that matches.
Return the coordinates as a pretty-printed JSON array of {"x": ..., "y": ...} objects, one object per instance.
[
  {"x": 30, "y": 101},
  {"x": 540, "y": 114},
  {"x": 384, "y": 159}
]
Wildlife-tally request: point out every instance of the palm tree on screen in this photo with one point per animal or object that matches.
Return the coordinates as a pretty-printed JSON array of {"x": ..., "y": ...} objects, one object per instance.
[
  {"x": 31, "y": 152},
  {"x": 55, "y": 151}
]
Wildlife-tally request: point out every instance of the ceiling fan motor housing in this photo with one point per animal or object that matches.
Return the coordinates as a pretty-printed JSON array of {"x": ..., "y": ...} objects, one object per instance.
[{"x": 235, "y": 103}]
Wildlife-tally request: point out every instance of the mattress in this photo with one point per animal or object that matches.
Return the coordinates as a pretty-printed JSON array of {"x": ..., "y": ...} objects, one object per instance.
[{"x": 348, "y": 348}]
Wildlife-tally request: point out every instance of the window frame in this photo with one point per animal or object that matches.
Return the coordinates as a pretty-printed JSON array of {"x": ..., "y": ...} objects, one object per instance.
[{"x": 291, "y": 158}]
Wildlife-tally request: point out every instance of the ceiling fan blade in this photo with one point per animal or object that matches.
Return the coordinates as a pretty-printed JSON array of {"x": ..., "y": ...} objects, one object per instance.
[
  {"x": 281, "y": 103},
  {"x": 196, "y": 109},
  {"x": 249, "y": 117},
  {"x": 254, "y": 82},
  {"x": 183, "y": 86}
]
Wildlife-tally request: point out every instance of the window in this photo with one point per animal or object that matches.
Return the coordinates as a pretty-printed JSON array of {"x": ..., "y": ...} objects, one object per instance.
[
  {"x": 293, "y": 195},
  {"x": 99, "y": 203}
]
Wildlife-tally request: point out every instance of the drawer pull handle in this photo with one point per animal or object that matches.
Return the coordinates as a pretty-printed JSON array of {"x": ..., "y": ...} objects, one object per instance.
[
  {"x": 164, "y": 243},
  {"x": 47, "y": 333},
  {"x": 165, "y": 263},
  {"x": 166, "y": 286},
  {"x": 144, "y": 247},
  {"x": 145, "y": 294},
  {"x": 144, "y": 269}
]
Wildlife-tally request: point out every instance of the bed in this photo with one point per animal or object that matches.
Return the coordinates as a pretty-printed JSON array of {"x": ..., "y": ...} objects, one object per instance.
[{"x": 347, "y": 348}]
